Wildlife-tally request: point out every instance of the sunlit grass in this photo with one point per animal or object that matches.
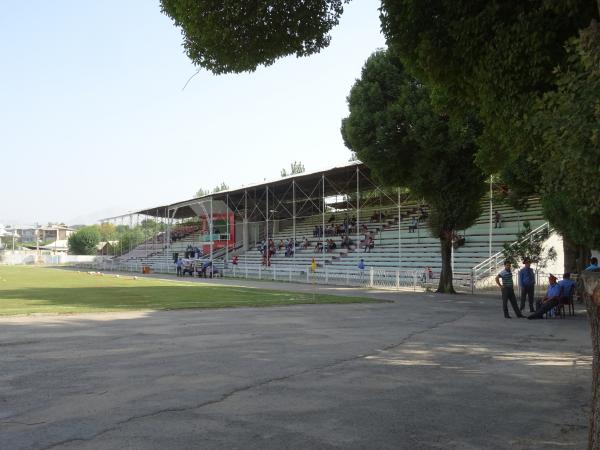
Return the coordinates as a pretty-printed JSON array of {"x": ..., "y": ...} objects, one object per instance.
[{"x": 27, "y": 290}]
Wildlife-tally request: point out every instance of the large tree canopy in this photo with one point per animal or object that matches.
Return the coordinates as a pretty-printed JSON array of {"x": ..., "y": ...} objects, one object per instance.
[
  {"x": 239, "y": 35},
  {"x": 568, "y": 123},
  {"x": 492, "y": 57},
  {"x": 394, "y": 130}
]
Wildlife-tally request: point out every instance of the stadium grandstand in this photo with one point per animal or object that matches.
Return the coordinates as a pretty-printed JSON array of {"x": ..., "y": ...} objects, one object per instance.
[{"x": 279, "y": 229}]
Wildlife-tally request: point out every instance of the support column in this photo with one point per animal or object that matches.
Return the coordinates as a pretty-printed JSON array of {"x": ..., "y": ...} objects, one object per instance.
[
  {"x": 399, "y": 229},
  {"x": 294, "y": 221},
  {"x": 210, "y": 231},
  {"x": 357, "y": 209},
  {"x": 227, "y": 231},
  {"x": 245, "y": 237},
  {"x": 323, "y": 217},
  {"x": 491, "y": 217},
  {"x": 267, "y": 228}
]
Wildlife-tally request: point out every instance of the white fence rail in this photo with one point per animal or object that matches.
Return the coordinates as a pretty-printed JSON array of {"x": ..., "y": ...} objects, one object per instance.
[{"x": 370, "y": 277}]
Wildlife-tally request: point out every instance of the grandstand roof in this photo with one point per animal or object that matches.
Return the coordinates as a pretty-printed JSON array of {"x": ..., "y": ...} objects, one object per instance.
[{"x": 308, "y": 185}]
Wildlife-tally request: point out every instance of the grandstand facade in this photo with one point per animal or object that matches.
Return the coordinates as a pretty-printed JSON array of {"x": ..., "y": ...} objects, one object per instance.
[{"x": 341, "y": 209}]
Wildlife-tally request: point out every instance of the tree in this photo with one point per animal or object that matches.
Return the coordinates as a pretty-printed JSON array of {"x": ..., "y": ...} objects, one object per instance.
[
  {"x": 295, "y": 168},
  {"x": 202, "y": 192},
  {"x": 394, "y": 130},
  {"x": 531, "y": 247},
  {"x": 108, "y": 231},
  {"x": 239, "y": 35},
  {"x": 84, "y": 241},
  {"x": 222, "y": 187}
]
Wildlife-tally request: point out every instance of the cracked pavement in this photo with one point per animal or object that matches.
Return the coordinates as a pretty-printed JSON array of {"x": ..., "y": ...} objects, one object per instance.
[{"x": 420, "y": 372}]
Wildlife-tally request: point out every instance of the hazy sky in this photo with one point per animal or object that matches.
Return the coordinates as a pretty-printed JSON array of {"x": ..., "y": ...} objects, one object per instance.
[{"x": 94, "y": 121}]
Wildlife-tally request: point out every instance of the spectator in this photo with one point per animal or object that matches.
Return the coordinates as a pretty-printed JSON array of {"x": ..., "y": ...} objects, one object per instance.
[
  {"x": 551, "y": 299},
  {"x": 567, "y": 287},
  {"x": 179, "y": 265},
  {"x": 361, "y": 268},
  {"x": 414, "y": 224},
  {"x": 346, "y": 242},
  {"x": 527, "y": 284},
  {"x": 369, "y": 244},
  {"x": 497, "y": 220},
  {"x": 305, "y": 243},
  {"x": 319, "y": 247},
  {"x": 234, "y": 260},
  {"x": 281, "y": 244},
  {"x": 593, "y": 265},
  {"x": 508, "y": 293}
]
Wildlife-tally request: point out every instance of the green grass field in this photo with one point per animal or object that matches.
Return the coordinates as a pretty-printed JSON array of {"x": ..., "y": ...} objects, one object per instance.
[{"x": 27, "y": 290}]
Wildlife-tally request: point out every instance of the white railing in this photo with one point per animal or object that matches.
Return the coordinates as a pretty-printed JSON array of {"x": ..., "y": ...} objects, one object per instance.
[
  {"x": 370, "y": 277},
  {"x": 486, "y": 268}
]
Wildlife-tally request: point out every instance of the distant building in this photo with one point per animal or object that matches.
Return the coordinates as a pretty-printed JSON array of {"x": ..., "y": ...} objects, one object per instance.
[{"x": 42, "y": 233}]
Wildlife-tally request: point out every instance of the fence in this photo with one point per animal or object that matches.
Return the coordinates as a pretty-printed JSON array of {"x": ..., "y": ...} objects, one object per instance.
[{"x": 370, "y": 277}]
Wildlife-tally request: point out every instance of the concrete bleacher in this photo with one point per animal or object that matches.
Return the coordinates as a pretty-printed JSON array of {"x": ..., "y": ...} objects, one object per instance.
[{"x": 395, "y": 247}]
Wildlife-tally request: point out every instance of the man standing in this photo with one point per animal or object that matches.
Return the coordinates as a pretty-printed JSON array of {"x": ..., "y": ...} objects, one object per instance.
[
  {"x": 508, "y": 292},
  {"x": 179, "y": 264},
  {"x": 551, "y": 299},
  {"x": 527, "y": 284}
]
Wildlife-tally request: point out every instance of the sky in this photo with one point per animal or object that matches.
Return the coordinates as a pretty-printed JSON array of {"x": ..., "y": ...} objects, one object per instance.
[{"x": 94, "y": 120}]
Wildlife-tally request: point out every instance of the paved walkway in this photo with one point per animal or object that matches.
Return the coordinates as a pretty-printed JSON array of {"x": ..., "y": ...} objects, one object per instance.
[{"x": 420, "y": 372}]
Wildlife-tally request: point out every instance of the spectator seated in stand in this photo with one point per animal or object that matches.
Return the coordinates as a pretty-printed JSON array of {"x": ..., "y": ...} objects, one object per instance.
[
  {"x": 414, "y": 224},
  {"x": 281, "y": 244},
  {"x": 234, "y": 260},
  {"x": 369, "y": 244},
  {"x": 331, "y": 245},
  {"x": 290, "y": 248},
  {"x": 305, "y": 243},
  {"x": 346, "y": 242},
  {"x": 319, "y": 247}
]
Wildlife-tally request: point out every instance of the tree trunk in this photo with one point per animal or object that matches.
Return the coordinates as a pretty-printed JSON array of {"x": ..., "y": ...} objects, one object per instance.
[
  {"x": 446, "y": 285},
  {"x": 591, "y": 295},
  {"x": 576, "y": 256}
]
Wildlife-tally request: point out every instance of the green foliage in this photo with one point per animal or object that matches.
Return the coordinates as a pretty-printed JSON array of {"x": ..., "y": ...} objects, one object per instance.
[
  {"x": 222, "y": 187},
  {"x": 491, "y": 58},
  {"x": 131, "y": 238},
  {"x": 531, "y": 247},
  {"x": 295, "y": 168},
  {"x": 567, "y": 122},
  {"x": 84, "y": 241},
  {"x": 395, "y": 131},
  {"x": 108, "y": 231},
  {"x": 239, "y": 35},
  {"x": 202, "y": 192}
]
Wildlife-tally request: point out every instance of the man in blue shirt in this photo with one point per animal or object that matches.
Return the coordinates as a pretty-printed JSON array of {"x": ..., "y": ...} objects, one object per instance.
[
  {"x": 179, "y": 264},
  {"x": 527, "y": 284},
  {"x": 508, "y": 292},
  {"x": 567, "y": 286},
  {"x": 551, "y": 299},
  {"x": 593, "y": 265}
]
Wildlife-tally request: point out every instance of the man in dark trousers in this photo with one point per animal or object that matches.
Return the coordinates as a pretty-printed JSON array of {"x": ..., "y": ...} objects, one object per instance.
[
  {"x": 527, "y": 284},
  {"x": 508, "y": 292},
  {"x": 551, "y": 299}
]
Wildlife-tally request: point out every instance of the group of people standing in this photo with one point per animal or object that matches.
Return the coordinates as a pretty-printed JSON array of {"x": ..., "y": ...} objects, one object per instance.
[{"x": 558, "y": 292}]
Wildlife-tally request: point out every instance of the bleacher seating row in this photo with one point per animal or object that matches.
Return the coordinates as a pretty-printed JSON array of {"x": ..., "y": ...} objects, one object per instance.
[{"x": 396, "y": 248}]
